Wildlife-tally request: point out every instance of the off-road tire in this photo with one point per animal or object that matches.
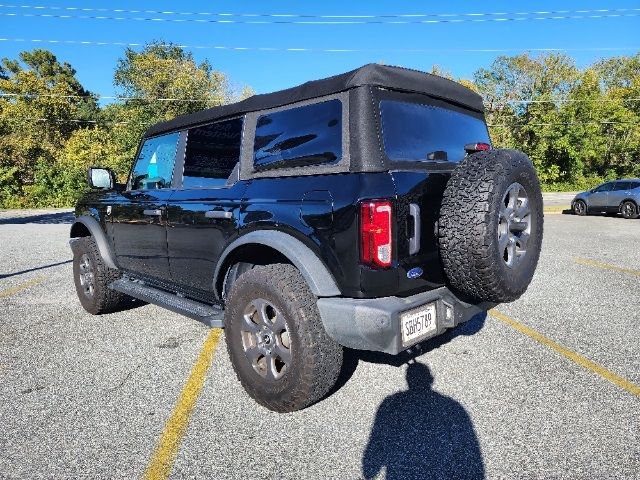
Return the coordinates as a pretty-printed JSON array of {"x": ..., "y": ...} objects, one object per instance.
[
  {"x": 316, "y": 358},
  {"x": 469, "y": 222},
  {"x": 104, "y": 299},
  {"x": 629, "y": 209},
  {"x": 579, "y": 208}
]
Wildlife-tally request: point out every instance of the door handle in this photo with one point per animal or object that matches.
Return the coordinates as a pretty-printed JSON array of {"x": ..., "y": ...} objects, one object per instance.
[
  {"x": 414, "y": 241},
  {"x": 218, "y": 214},
  {"x": 153, "y": 212}
]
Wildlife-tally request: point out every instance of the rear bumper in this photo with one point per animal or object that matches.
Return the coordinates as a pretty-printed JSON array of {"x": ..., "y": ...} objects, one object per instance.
[{"x": 374, "y": 324}]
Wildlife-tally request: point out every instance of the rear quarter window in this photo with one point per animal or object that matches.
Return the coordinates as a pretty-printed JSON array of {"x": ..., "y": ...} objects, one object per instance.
[
  {"x": 307, "y": 135},
  {"x": 418, "y": 132}
]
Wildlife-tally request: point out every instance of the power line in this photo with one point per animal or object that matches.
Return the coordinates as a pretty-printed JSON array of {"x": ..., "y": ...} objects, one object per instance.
[
  {"x": 107, "y": 122},
  {"x": 294, "y": 15},
  {"x": 566, "y": 100},
  {"x": 98, "y": 97},
  {"x": 318, "y": 22},
  {"x": 78, "y": 120},
  {"x": 518, "y": 125},
  {"x": 323, "y": 50},
  {"x": 176, "y": 99}
]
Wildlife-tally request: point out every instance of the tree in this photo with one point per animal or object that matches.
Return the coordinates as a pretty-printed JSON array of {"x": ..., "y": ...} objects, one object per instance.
[
  {"x": 522, "y": 95},
  {"x": 43, "y": 104},
  {"x": 165, "y": 81},
  {"x": 159, "y": 83}
]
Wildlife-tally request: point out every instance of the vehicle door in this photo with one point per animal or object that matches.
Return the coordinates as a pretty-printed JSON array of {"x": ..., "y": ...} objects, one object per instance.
[
  {"x": 618, "y": 193},
  {"x": 598, "y": 200},
  {"x": 139, "y": 218},
  {"x": 203, "y": 213}
]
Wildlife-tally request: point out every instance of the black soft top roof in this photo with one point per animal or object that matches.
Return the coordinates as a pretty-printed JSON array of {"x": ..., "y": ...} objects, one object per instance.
[{"x": 395, "y": 78}]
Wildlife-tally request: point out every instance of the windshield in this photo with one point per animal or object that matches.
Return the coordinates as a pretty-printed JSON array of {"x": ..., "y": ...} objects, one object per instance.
[{"x": 417, "y": 132}]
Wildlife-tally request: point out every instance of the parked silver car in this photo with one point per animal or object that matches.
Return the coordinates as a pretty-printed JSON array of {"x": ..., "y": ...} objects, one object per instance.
[{"x": 618, "y": 196}]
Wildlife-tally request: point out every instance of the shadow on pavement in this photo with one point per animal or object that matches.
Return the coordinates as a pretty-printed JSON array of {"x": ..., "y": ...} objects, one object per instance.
[
  {"x": 54, "y": 218},
  {"x": 13, "y": 274},
  {"x": 420, "y": 433}
]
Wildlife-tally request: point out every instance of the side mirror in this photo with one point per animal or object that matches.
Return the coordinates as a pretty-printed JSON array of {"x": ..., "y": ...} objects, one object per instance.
[{"x": 101, "y": 178}]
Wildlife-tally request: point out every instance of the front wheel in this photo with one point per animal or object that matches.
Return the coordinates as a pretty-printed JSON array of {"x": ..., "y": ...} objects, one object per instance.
[
  {"x": 629, "y": 209},
  {"x": 92, "y": 278},
  {"x": 277, "y": 344},
  {"x": 580, "y": 208}
]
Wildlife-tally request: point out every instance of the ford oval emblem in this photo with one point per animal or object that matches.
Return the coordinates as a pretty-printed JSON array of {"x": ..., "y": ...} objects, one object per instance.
[{"x": 414, "y": 273}]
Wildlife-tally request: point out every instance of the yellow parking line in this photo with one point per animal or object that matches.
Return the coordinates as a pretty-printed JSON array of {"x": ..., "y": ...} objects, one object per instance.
[
  {"x": 555, "y": 209},
  {"x": 570, "y": 354},
  {"x": 165, "y": 453},
  {"x": 18, "y": 288},
  {"x": 606, "y": 266}
]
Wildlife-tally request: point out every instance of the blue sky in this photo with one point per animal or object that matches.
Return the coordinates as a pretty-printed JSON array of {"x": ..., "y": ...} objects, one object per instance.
[{"x": 271, "y": 70}]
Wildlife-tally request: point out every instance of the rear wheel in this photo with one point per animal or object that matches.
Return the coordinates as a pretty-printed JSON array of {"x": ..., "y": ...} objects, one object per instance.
[
  {"x": 276, "y": 341},
  {"x": 580, "y": 207},
  {"x": 490, "y": 227},
  {"x": 629, "y": 209}
]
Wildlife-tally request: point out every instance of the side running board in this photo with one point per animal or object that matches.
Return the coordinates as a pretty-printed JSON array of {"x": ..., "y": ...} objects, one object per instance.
[{"x": 207, "y": 314}]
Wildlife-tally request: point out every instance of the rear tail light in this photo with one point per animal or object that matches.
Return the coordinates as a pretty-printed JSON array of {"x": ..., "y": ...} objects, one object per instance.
[
  {"x": 476, "y": 147},
  {"x": 375, "y": 233}
]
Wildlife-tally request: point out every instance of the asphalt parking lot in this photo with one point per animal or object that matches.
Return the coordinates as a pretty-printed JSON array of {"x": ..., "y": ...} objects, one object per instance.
[{"x": 546, "y": 387}]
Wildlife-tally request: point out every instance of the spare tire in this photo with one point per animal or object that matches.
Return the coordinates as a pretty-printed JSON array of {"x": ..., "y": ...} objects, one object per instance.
[{"x": 490, "y": 226}]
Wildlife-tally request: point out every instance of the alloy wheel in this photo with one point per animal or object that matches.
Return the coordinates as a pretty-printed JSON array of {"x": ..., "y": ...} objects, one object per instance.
[
  {"x": 265, "y": 339},
  {"x": 628, "y": 210},
  {"x": 514, "y": 225},
  {"x": 86, "y": 275}
]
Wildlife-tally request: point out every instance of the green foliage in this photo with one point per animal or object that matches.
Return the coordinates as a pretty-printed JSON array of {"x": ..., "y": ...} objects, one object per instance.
[
  {"x": 46, "y": 143},
  {"x": 44, "y": 95},
  {"x": 579, "y": 126}
]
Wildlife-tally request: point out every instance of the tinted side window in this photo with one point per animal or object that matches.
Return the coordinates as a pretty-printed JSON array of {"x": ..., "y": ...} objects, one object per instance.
[
  {"x": 605, "y": 187},
  {"x": 633, "y": 185},
  {"x": 154, "y": 166},
  {"x": 306, "y": 135},
  {"x": 621, "y": 186},
  {"x": 212, "y": 152}
]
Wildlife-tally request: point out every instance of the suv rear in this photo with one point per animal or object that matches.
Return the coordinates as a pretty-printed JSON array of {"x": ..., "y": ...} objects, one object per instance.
[{"x": 366, "y": 210}]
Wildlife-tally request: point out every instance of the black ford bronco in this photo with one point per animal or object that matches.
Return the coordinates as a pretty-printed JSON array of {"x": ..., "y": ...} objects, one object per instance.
[{"x": 366, "y": 210}]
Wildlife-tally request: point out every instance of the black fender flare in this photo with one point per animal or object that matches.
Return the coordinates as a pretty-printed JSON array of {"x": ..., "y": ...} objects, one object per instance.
[
  {"x": 316, "y": 274},
  {"x": 100, "y": 237}
]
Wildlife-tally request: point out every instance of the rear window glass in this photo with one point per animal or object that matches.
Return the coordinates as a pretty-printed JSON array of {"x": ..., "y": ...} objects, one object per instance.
[
  {"x": 417, "y": 132},
  {"x": 307, "y": 135},
  {"x": 212, "y": 152}
]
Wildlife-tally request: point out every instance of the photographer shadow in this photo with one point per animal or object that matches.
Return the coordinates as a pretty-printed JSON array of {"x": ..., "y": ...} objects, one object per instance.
[{"x": 419, "y": 432}]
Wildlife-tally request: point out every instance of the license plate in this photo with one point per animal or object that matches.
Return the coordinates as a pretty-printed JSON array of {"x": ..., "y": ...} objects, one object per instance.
[{"x": 418, "y": 322}]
